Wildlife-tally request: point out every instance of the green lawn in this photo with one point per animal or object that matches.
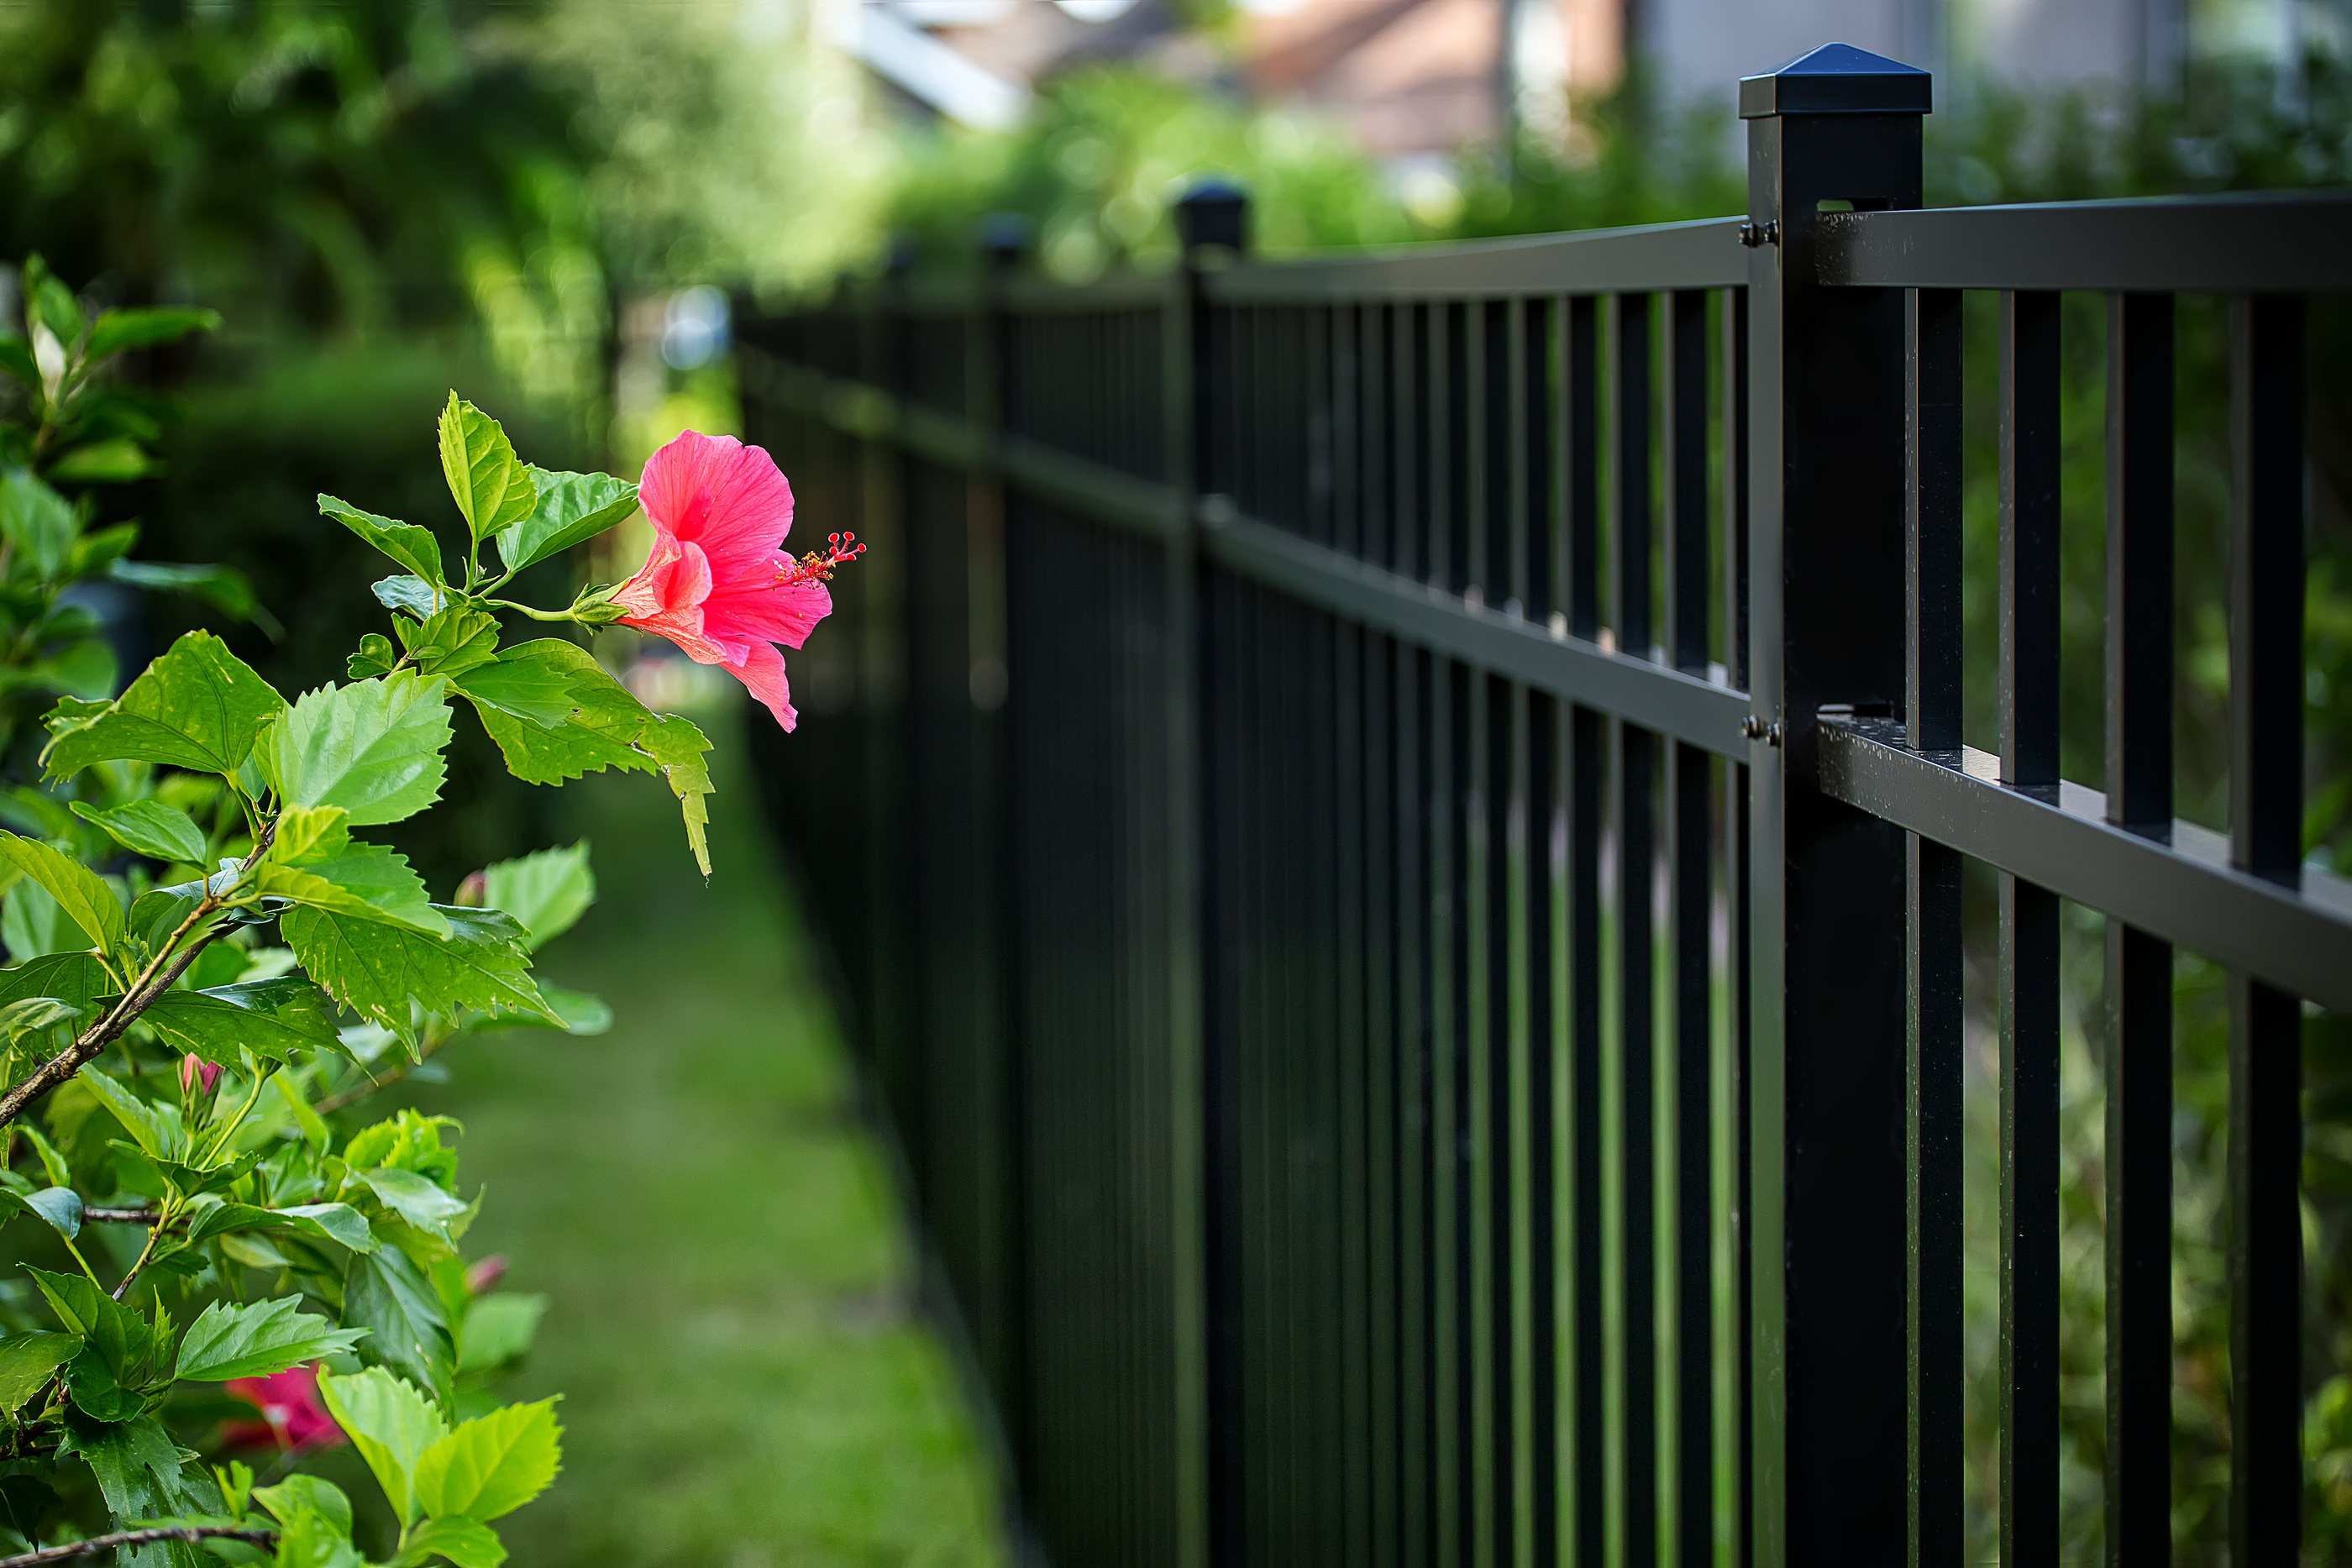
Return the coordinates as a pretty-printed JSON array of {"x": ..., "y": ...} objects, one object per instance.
[{"x": 745, "y": 1383}]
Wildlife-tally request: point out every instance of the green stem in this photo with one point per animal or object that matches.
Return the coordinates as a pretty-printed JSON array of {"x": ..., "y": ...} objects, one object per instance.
[{"x": 534, "y": 614}]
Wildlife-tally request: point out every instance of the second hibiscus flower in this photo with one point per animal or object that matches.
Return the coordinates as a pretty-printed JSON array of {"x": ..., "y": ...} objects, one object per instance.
[{"x": 717, "y": 581}]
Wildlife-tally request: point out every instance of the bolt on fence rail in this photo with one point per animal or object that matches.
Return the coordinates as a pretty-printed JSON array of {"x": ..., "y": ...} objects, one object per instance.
[{"x": 1403, "y": 820}]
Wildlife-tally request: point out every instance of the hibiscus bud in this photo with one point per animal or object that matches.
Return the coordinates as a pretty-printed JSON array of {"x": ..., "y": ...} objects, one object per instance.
[
  {"x": 474, "y": 892},
  {"x": 484, "y": 1276},
  {"x": 193, "y": 1068}
]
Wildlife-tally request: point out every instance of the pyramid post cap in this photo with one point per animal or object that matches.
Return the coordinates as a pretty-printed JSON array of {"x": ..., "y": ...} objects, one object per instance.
[{"x": 1837, "y": 78}]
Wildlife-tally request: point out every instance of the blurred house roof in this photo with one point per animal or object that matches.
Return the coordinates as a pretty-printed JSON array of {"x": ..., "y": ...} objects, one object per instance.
[{"x": 1421, "y": 76}]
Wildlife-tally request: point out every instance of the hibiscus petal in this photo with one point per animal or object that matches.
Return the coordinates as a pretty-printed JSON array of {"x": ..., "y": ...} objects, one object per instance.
[
  {"x": 729, "y": 499},
  {"x": 762, "y": 673},
  {"x": 777, "y": 613},
  {"x": 668, "y": 597}
]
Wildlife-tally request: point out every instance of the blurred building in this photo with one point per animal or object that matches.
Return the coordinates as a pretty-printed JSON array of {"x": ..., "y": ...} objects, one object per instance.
[{"x": 1421, "y": 77}]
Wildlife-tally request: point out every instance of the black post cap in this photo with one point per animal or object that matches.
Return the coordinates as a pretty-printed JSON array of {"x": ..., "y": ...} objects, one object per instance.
[
  {"x": 1837, "y": 78},
  {"x": 1214, "y": 211},
  {"x": 1003, "y": 236}
]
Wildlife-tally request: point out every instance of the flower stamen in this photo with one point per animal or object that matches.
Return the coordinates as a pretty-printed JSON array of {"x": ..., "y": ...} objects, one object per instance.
[{"x": 840, "y": 550}]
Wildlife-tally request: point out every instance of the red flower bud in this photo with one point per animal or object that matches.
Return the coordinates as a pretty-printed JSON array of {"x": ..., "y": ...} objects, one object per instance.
[
  {"x": 195, "y": 1068},
  {"x": 484, "y": 1276}
]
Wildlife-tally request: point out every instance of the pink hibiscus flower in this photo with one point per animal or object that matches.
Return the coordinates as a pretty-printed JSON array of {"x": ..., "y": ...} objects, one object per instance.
[
  {"x": 717, "y": 581},
  {"x": 293, "y": 1417}
]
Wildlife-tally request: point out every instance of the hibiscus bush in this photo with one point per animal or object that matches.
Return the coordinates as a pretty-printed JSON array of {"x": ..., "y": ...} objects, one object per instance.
[{"x": 225, "y": 1262}]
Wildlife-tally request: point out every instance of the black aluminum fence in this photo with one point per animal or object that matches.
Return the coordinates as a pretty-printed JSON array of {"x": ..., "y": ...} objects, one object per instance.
[{"x": 1396, "y": 836}]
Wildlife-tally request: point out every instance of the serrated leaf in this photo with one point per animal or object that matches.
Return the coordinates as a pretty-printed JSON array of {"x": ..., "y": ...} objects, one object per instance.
[
  {"x": 468, "y": 1543},
  {"x": 392, "y": 1424},
  {"x": 413, "y": 594},
  {"x": 489, "y": 1467},
  {"x": 372, "y": 747},
  {"x": 149, "y": 827},
  {"x": 377, "y": 969},
  {"x": 298, "y": 1495},
  {"x": 257, "y": 1339},
  {"x": 336, "y": 1222},
  {"x": 450, "y": 642},
  {"x": 271, "y": 1018},
  {"x": 385, "y": 1292},
  {"x": 524, "y": 681},
  {"x": 678, "y": 747},
  {"x": 198, "y": 706},
  {"x": 405, "y": 543},
  {"x": 74, "y": 978},
  {"x": 115, "y": 331},
  {"x": 546, "y": 892},
  {"x": 138, "y": 1472},
  {"x": 571, "y": 510},
  {"x": 27, "y": 1361},
  {"x": 36, "y": 521},
  {"x": 492, "y": 487},
  {"x": 81, "y": 893},
  {"x": 363, "y": 880},
  {"x": 414, "y": 1198}
]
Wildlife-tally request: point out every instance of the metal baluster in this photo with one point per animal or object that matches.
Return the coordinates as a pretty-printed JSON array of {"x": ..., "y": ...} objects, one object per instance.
[
  {"x": 2266, "y": 609},
  {"x": 2138, "y": 1152},
  {"x": 1536, "y": 555},
  {"x": 1932, "y": 1076},
  {"x": 1636, "y": 933},
  {"x": 1546, "y": 852},
  {"x": 1352, "y": 1056},
  {"x": 1415, "y": 1049},
  {"x": 1384, "y": 1097},
  {"x": 2029, "y": 935},
  {"x": 1587, "y": 738},
  {"x": 1506, "y": 807},
  {"x": 1690, "y": 855},
  {"x": 1734, "y": 859}
]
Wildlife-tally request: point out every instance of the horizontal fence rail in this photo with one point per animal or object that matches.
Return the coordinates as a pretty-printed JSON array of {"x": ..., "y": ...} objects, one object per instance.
[{"x": 1408, "y": 818}]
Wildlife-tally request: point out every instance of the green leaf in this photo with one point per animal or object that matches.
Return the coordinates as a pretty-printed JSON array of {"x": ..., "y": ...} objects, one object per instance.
[
  {"x": 414, "y": 594},
  {"x": 678, "y": 747},
  {"x": 155, "y": 1126},
  {"x": 74, "y": 978},
  {"x": 582, "y": 1014},
  {"x": 33, "y": 926},
  {"x": 367, "y": 882},
  {"x": 31, "y": 1014},
  {"x": 60, "y": 1206},
  {"x": 198, "y": 706},
  {"x": 271, "y": 1018},
  {"x": 377, "y": 657},
  {"x": 224, "y": 588},
  {"x": 415, "y": 1199},
  {"x": 499, "y": 1329},
  {"x": 571, "y": 508},
  {"x": 547, "y": 893},
  {"x": 258, "y": 1339},
  {"x": 38, "y": 521},
  {"x": 298, "y": 1495},
  {"x": 392, "y": 1424},
  {"x": 149, "y": 827},
  {"x": 50, "y": 302},
  {"x": 84, "y": 668},
  {"x": 377, "y": 969},
  {"x": 453, "y": 640},
  {"x": 491, "y": 1466},
  {"x": 27, "y": 1361},
  {"x": 117, "y": 460},
  {"x": 384, "y": 1292},
  {"x": 405, "y": 543},
  {"x": 336, "y": 1222},
  {"x": 491, "y": 487},
  {"x": 115, "y": 331},
  {"x": 526, "y": 681},
  {"x": 138, "y": 1469},
  {"x": 372, "y": 747},
  {"x": 468, "y": 1543},
  {"x": 81, "y": 893}
]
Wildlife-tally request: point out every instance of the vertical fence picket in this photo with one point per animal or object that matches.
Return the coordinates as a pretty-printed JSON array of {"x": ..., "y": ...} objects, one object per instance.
[
  {"x": 2266, "y": 595},
  {"x": 2139, "y": 1057}
]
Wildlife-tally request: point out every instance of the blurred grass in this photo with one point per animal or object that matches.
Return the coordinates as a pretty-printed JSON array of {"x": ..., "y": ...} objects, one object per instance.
[{"x": 745, "y": 1383}]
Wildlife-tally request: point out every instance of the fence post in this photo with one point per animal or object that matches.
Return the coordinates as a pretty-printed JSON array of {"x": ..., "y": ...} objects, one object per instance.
[
  {"x": 1212, "y": 226},
  {"x": 1835, "y": 128}
]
